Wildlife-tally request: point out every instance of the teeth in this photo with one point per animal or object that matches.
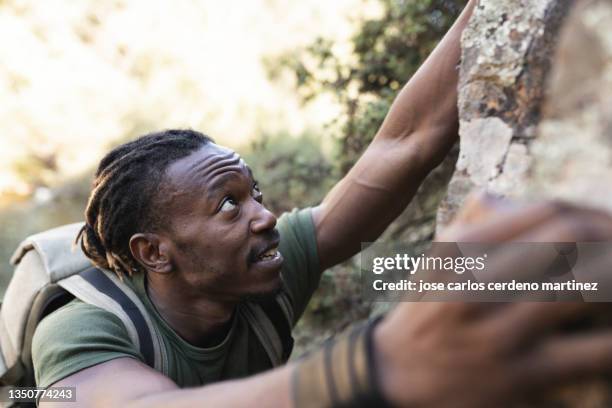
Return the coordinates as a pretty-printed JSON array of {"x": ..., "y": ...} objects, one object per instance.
[{"x": 270, "y": 253}]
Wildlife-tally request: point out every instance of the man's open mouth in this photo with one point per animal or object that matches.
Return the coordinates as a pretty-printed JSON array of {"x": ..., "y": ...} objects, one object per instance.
[{"x": 269, "y": 254}]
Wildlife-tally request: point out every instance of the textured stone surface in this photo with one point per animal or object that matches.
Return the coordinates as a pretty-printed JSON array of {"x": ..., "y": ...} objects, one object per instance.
[
  {"x": 573, "y": 153},
  {"x": 507, "y": 50},
  {"x": 535, "y": 123}
]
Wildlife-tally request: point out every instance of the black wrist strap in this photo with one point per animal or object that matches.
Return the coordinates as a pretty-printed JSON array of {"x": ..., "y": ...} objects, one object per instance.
[{"x": 342, "y": 374}]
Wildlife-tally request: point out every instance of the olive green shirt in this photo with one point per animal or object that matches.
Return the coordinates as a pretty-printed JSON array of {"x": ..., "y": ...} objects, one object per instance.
[{"x": 80, "y": 335}]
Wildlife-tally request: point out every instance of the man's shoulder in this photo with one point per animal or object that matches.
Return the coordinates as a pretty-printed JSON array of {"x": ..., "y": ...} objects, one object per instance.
[
  {"x": 297, "y": 223},
  {"x": 74, "y": 314},
  {"x": 298, "y": 236},
  {"x": 301, "y": 213},
  {"x": 298, "y": 245}
]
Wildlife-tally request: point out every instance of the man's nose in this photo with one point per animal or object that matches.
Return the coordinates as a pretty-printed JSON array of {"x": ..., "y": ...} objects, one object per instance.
[{"x": 263, "y": 219}]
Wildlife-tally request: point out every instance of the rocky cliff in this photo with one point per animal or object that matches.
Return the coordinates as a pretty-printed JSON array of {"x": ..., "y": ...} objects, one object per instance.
[
  {"x": 507, "y": 53},
  {"x": 535, "y": 104}
]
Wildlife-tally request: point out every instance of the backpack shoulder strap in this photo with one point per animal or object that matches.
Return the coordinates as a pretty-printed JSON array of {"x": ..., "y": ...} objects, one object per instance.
[
  {"x": 271, "y": 322},
  {"x": 105, "y": 290},
  {"x": 281, "y": 316}
]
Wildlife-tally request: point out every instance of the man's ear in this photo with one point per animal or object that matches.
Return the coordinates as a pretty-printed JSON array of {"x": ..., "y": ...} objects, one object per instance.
[{"x": 151, "y": 252}]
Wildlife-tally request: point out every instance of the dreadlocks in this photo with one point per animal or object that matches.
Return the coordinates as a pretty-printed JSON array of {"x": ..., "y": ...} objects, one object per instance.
[{"x": 123, "y": 200}]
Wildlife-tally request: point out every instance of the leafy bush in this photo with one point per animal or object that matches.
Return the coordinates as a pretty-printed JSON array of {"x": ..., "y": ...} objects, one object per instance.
[{"x": 388, "y": 50}]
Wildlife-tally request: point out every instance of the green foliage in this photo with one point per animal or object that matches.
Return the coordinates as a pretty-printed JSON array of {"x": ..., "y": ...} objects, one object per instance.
[
  {"x": 387, "y": 51},
  {"x": 292, "y": 172}
]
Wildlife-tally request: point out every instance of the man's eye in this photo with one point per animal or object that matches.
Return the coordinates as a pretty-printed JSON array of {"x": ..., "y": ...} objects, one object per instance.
[{"x": 228, "y": 205}]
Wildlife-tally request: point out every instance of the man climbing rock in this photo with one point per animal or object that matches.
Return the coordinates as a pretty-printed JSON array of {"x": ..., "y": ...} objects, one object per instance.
[{"x": 183, "y": 222}]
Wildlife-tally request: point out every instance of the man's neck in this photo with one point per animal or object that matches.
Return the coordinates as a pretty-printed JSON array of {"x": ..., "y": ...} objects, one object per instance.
[{"x": 201, "y": 322}]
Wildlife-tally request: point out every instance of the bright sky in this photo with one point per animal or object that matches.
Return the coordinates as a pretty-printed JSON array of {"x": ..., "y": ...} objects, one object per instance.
[{"x": 75, "y": 75}]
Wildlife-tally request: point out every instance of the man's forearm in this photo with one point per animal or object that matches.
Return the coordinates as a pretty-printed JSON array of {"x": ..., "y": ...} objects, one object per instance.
[
  {"x": 271, "y": 389},
  {"x": 426, "y": 108},
  {"x": 127, "y": 382}
]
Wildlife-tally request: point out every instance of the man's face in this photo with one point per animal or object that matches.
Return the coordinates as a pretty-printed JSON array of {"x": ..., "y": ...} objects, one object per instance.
[{"x": 222, "y": 240}]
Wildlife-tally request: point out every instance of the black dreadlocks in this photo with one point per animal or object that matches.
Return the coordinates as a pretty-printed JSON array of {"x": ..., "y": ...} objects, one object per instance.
[{"x": 124, "y": 201}]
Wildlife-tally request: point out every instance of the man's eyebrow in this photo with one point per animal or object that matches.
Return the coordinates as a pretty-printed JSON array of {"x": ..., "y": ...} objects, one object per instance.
[{"x": 219, "y": 183}]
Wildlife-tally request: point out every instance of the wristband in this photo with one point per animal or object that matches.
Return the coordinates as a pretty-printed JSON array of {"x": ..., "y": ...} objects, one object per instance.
[{"x": 341, "y": 374}]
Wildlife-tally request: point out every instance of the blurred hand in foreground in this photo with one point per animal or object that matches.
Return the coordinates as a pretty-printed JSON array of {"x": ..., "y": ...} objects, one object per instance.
[{"x": 496, "y": 354}]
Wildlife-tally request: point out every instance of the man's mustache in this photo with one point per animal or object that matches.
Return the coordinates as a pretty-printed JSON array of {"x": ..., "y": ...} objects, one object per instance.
[{"x": 269, "y": 240}]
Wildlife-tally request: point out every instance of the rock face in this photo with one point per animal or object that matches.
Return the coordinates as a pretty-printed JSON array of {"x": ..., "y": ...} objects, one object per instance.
[
  {"x": 572, "y": 153},
  {"x": 535, "y": 103},
  {"x": 535, "y": 111},
  {"x": 507, "y": 50},
  {"x": 572, "y": 157}
]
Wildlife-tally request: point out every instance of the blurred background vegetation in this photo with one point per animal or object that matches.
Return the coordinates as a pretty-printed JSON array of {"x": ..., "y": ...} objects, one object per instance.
[{"x": 318, "y": 83}]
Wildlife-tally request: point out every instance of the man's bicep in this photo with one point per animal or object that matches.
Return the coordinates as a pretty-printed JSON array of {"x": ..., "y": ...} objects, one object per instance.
[
  {"x": 361, "y": 205},
  {"x": 114, "y": 383}
]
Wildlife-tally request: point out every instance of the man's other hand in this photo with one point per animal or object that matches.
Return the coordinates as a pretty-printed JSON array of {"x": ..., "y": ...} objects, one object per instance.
[{"x": 495, "y": 354}]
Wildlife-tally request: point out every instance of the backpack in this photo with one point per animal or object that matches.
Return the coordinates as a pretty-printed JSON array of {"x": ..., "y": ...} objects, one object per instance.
[{"x": 50, "y": 271}]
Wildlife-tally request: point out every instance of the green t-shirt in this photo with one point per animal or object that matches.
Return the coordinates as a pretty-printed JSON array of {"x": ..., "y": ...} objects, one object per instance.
[{"x": 80, "y": 335}]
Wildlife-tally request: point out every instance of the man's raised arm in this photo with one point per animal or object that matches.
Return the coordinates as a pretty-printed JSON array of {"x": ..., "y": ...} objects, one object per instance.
[{"x": 417, "y": 133}]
